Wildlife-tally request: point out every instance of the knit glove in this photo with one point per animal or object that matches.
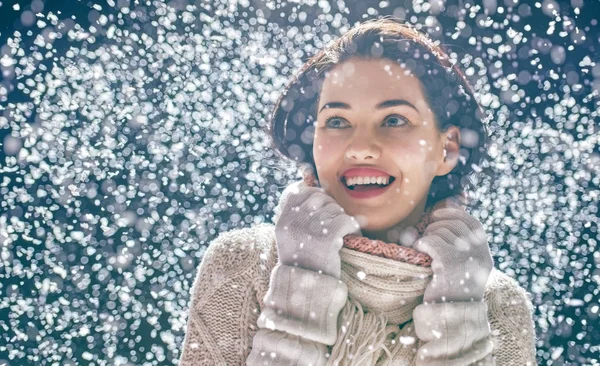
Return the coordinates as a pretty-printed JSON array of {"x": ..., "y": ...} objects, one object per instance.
[
  {"x": 310, "y": 228},
  {"x": 462, "y": 262},
  {"x": 305, "y": 295}
]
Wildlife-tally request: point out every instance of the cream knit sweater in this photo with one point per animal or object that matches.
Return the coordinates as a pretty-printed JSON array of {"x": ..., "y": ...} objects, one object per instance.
[{"x": 233, "y": 280}]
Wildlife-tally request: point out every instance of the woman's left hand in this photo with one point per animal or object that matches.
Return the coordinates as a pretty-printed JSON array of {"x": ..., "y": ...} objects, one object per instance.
[{"x": 462, "y": 261}]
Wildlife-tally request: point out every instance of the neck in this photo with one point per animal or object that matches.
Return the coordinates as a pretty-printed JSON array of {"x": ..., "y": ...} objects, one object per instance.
[{"x": 392, "y": 234}]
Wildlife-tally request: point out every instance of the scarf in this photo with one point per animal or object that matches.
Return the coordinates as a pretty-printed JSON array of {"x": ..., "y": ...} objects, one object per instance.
[{"x": 386, "y": 282}]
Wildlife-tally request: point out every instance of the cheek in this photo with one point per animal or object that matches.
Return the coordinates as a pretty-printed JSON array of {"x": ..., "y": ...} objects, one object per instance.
[
  {"x": 415, "y": 158},
  {"x": 326, "y": 149},
  {"x": 416, "y": 148}
]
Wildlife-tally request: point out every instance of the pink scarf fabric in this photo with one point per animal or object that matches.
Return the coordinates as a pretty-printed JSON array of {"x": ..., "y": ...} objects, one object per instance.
[{"x": 392, "y": 250}]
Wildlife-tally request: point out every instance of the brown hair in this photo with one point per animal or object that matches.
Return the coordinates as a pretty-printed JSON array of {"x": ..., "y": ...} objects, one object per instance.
[{"x": 447, "y": 90}]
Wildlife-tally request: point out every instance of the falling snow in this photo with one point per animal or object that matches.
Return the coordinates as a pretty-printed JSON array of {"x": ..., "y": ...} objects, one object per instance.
[{"x": 130, "y": 136}]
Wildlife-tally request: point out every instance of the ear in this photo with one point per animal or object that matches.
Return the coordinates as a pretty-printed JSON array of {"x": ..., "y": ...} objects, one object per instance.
[{"x": 451, "y": 143}]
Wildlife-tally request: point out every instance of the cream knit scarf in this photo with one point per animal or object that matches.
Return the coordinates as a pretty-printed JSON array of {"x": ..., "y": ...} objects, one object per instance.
[{"x": 385, "y": 283}]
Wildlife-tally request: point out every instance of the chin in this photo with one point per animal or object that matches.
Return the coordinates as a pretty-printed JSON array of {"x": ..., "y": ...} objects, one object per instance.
[{"x": 370, "y": 223}]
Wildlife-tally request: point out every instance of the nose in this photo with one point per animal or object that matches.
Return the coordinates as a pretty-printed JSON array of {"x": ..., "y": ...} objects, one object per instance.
[{"x": 363, "y": 146}]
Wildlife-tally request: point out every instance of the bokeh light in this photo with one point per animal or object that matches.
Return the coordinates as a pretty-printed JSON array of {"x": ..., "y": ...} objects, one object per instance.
[{"x": 130, "y": 137}]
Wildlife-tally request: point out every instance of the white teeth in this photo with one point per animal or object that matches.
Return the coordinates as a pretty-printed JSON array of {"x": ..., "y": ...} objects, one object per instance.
[{"x": 367, "y": 180}]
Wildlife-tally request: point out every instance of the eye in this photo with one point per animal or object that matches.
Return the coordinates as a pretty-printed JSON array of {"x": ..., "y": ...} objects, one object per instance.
[
  {"x": 333, "y": 118},
  {"x": 397, "y": 119}
]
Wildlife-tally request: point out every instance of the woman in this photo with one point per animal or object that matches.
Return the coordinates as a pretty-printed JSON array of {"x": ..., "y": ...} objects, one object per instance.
[{"x": 373, "y": 259}]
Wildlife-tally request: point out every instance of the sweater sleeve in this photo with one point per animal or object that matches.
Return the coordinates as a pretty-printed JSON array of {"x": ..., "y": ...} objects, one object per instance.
[
  {"x": 223, "y": 302},
  {"x": 460, "y": 333},
  {"x": 300, "y": 318},
  {"x": 454, "y": 333},
  {"x": 511, "y": 320}
]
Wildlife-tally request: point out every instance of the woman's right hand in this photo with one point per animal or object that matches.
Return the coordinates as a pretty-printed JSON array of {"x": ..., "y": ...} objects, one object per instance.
[
  {"x": 310, "y": 228},
  {"x": 306, "y": 294}
]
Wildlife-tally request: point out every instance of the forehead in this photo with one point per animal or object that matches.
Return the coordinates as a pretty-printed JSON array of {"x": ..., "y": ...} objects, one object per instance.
[{"x": 370, "y": 79}]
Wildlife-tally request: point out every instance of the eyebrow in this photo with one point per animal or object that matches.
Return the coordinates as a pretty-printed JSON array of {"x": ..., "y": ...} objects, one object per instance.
[{"x": 382, "y": 105}]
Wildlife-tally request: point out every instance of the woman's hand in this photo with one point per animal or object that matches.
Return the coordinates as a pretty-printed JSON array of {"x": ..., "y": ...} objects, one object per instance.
[
  {"x": 310, "y": 228},
  {"x": 462, "y": 261}
]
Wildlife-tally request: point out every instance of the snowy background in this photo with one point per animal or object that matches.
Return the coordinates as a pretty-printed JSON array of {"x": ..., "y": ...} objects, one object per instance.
[{"x": 130, "y": 137}]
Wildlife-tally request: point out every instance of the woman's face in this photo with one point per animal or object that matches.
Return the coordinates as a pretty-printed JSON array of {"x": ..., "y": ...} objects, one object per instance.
[{"x": 355, "y": 127}]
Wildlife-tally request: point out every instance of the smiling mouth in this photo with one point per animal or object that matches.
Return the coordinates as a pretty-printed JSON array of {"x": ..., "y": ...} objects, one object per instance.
[{"x": 366, "y": 186}]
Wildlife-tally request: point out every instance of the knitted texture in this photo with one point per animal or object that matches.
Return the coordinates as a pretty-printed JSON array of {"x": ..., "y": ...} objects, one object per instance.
[
  {"x": 225, "y": 305},
  {"x": 462, "y": 259},
  {"x": 310, "y": 229},
  {"x": 379, "y": 324},
  {"x": 233, "y": 279},
  {"x": 382, "y": 294},
  {"x": 385, "y": 250},
  {"x": 390, "y": 298}
]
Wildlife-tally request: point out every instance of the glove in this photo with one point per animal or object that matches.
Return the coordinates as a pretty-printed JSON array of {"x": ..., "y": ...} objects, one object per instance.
[
  {"x": 462, "y": 262},
  {"x": 310, "y": 227}
]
